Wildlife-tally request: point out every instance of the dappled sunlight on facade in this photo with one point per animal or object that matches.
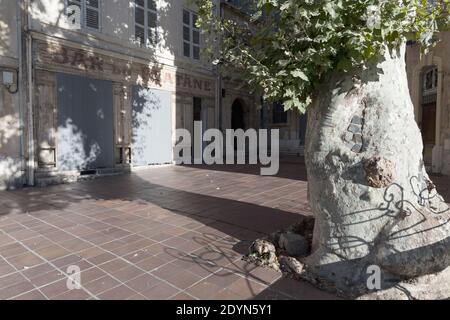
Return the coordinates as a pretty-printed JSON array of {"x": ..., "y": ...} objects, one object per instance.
[{"x": 74, "y": 154}]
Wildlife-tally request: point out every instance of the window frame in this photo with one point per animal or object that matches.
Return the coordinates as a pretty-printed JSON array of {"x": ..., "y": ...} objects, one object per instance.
[
  {"x": 83, "y": 8},
  {"x": 192, "y": 29},
  {"x": 434, "y": 73},
  {"x": 278, "y": 113},
  {"x": 146, "y": 27}
]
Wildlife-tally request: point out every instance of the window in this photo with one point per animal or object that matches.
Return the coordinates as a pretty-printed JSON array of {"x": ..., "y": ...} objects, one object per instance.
[
  {"x": 146, "y": 20},
  {"x": 191, "y": 35},
  {"x": 197, "y": 109},
  {"x": 246, "y": 6},
  {"x": 279, "y": 115},
  {"x": 430, "y": 81},
  {"x": 84, "y": 13}
]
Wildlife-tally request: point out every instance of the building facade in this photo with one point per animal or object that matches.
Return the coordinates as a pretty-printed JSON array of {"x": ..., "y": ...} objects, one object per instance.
[
  {"x": 429, "y": 83},
  {"x": 92, "y": 87}
]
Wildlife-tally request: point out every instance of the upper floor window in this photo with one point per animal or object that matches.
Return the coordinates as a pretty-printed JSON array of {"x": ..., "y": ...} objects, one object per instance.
[
  {"x": 84, "y": 13},
  {"x": 430, "y": 81},
  {"x": 246, "y": 6},
  {"x": 191, "y": 35},
  {"x": 280, "y": 116},
  {"x": 146, "y": 18}
]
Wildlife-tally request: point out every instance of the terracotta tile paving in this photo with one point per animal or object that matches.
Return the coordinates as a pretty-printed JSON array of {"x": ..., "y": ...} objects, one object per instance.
[{"x": 160, "y": 233}]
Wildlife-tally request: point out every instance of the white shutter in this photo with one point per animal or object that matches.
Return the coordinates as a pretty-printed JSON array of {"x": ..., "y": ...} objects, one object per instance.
[
  {"x": 89, "y": 13},
  {"x": 74, "y": 13},
  {"x": 92, "y": 16}
]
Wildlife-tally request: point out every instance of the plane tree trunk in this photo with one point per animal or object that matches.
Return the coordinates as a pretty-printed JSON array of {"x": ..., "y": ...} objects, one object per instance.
[{"x": 373, "y": 201}]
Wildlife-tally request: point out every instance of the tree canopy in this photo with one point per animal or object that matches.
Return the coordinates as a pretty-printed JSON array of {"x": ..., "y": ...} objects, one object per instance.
[{"x": 288, "y": 47}]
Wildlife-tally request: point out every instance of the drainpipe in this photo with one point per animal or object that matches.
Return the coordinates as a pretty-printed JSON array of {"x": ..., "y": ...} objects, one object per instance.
[
  {"x": 30, "y": 166},
  {"x": 31, "y": 157},
  {"x": 220, "y": 88},
  {"x": 22, "y": 99},
  {"x": 219, "y": 100}
]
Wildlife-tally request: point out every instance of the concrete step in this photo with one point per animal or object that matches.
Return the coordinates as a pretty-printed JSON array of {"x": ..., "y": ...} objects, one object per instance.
[{"x": 47, "y": 178}]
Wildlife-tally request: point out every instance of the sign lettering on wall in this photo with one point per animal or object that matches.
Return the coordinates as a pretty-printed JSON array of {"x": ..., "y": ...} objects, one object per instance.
[{"x": 62, "y": 58}]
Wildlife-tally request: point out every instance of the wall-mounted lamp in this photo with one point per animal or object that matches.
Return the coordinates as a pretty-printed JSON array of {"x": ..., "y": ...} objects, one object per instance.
[{"x": 8, "y": 81}]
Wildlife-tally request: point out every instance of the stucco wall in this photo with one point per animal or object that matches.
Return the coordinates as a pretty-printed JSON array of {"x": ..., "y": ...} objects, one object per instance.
[
  {"x": 10, "y": 164},
  {"x": 8, "y": 32},
  {"x": 117, "y": 29}
]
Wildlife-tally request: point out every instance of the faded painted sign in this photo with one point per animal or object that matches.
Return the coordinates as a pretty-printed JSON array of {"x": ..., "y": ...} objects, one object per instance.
[{"x": 60, "y": 58}]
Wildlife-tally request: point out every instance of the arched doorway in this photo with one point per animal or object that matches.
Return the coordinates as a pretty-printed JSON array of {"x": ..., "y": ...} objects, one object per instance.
[{"x": 428, "y": 108}]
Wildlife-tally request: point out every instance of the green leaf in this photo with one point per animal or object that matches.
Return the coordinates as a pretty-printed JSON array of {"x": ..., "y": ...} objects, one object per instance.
[{"x": 299, "y": 74}]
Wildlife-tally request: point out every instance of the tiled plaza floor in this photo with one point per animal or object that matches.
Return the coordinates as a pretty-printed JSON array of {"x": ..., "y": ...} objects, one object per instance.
[{"x": 161, "y": 233}]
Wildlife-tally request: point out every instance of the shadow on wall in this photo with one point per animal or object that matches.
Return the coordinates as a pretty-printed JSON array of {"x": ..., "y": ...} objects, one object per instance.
[
  {"x": 11, "y": 173},
  {"x": 76, "y": 151},
  {"x": 79, "y": 148},
  {"x": 5, "y": 42},
  {"x": 79, "y": 156},
  {"x": 144, "y": 104},
  {"x": 85, "y": 123},
  {"x": 10, "y": 162}
]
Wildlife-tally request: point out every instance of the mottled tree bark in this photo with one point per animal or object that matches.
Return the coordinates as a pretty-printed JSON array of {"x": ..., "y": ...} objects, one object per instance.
[{"x": 373, "y": 201}]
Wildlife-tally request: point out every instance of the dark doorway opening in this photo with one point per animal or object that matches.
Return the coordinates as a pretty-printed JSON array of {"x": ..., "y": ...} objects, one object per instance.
[
  {"x": 303, "y": 125},
  {"x": 237, "y": 118},
  {"x": 428, "y": 112},
  {"x": 197, "y": 109},
  {"x": 237, "y": 115},
  {"x": 429, "y": 131}
]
